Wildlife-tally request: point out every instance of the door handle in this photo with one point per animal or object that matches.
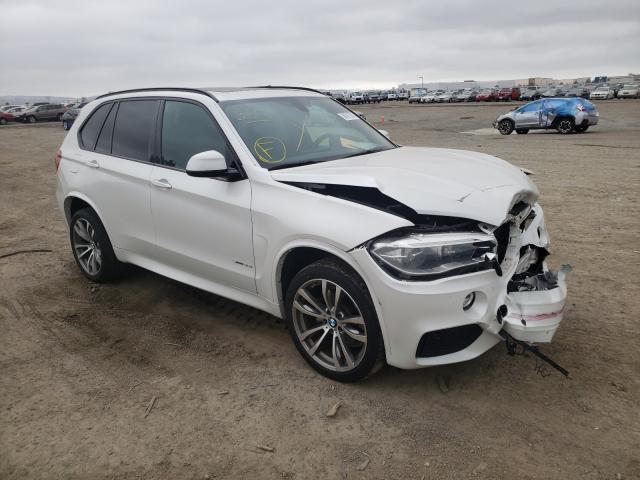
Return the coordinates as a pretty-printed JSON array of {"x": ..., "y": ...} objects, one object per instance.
[
  {"x": 161, "y": 183},
  {"x": 93, "y": 164}
]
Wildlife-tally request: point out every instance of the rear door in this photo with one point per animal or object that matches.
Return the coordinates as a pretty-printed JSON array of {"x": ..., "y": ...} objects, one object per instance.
[
  {"x": 550, "y": 111},
  {"x": 203, "y": 225},
  {"x": 117, "y": 139}
]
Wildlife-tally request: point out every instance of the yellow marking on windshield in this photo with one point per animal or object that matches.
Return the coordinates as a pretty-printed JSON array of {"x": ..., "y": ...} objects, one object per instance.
[{"x": 270, "y": 149}]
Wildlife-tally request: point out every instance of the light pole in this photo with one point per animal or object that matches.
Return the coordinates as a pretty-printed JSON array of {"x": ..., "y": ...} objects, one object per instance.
[{"x": 421, "y": 82}]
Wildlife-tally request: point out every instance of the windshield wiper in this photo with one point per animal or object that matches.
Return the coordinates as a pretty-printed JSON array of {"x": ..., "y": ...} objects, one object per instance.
[
  {"x": 367, "y": 151},
  {"x": 297, "y": 164}
]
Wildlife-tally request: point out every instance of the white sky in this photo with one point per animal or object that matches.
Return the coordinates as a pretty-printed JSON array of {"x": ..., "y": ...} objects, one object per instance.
[{"x": 85, "y": 47}]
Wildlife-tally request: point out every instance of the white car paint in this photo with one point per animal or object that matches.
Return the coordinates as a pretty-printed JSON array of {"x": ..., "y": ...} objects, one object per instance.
[{"x": 230, "y": 238}]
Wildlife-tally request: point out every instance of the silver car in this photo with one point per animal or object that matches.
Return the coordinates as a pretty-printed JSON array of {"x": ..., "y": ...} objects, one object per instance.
[
  {"x": 566, "y": 115},
  {"x": 629, "y": 91}
]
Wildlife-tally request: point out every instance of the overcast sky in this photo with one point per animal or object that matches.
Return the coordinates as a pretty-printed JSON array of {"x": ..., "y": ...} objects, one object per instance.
[{"x": 83, "y": 47}]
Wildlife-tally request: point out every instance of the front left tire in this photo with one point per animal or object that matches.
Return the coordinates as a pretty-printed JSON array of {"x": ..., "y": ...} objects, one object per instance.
[
  {"x": 505, "y": 127},
  {"x": 333, "y": 323}
]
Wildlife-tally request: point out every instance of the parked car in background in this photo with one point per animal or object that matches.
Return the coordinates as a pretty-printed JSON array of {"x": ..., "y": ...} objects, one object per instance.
[
  {"x": 6, "y": 117},
  {"x": 355, "y": 98},
  {"x": 46, "y": 112},
  {"x": 384, "y": 95},
  {"x": 508, "y": 93},
  {"x": 392, "y": 96},
  {"x": 552, "y": 92},
  {"x": 189, "y": 185},
  {"x": 464, "y": 95},
  {"x": 72, "y": 112},
  {"x": 577, "y": 91},
  {"x": 430, "y": 97},
  {"x": 403, "y": 95},
  {"x": 444, "y": 97},
  {"x": 339, "y": 96},
  {"x": 566, "y": 115},
  {"x": 629, "y": 91},
  {"x": 7, "y": 108},
  {"x": 417, "y": 94},
  {"x": 602, "y": 93},
  {"x": 531, "y": 93},
  {"x": 372, "y": 96},
  {"x": 487, "y": 95}
]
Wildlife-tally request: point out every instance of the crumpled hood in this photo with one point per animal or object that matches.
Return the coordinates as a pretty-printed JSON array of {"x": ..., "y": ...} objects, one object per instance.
[{"x": 431, "y": 181}]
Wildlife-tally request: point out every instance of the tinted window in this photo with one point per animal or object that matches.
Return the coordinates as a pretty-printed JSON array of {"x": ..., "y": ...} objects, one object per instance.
[
  {"x": 133, "y": 129},
  {"x": 188, "y": 129},
  {"x": 91, "y": 129},
  {"x": 104, "y": 139}
]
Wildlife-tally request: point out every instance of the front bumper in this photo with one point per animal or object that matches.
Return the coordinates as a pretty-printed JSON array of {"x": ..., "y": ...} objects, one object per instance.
[{"x": 410, "y": 310}]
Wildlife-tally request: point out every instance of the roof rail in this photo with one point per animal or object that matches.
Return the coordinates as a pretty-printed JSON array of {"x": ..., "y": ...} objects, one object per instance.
[
  {"x": 286, "y": 87},
  {"x": 171, "y": 89}
]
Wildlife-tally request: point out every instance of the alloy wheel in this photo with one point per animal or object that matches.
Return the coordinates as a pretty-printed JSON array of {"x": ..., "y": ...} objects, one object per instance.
[
  {"x": 565, "y": 126},
  {"x": 329, "y": 325},
  {"x": 86, "y": 247}
]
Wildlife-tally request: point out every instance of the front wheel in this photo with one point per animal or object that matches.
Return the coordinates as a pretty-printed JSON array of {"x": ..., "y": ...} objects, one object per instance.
[
  {"x": 522, "y": 131},
  {"x": 333, "y": 322},
  {"x": 505, "y": 127},
  {"x": 565, "y": 126},
  {"x": 3, "y": 121},
  {"x": 31, "y": 119},
  {"x": 582, "y": 128}
]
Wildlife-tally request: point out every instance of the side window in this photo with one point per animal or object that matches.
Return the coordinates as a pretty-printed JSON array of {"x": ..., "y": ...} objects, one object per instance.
[
  {"x": 188, "y": 129},
  {"x": 91, "y": 128},
  {"x": 133, "y": 130},
  {"x": 532, "y": 107},
  {"x": 104, "y": 139}
]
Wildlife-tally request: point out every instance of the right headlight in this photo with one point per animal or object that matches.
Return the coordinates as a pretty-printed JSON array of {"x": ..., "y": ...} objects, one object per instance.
[{"x": 427, "y": 256}]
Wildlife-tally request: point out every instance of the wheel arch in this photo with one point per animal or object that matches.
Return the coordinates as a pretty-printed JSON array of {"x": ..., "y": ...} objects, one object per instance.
[
  {"x": 296, "y": 256},
  {"x": 75, "y": 201}
]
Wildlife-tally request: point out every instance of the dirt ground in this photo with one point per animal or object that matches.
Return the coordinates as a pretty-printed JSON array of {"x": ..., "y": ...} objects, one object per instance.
[{"x": 80, "y": 363}]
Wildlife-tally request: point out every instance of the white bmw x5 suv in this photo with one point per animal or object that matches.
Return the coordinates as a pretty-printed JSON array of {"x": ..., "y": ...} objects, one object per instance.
[{"x": 283, "y": 199}]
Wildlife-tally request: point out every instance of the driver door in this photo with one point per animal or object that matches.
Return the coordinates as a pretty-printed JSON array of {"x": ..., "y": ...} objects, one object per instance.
[
  {"x": 203, "y": 225},
  {"x": 528, "y": 116}
]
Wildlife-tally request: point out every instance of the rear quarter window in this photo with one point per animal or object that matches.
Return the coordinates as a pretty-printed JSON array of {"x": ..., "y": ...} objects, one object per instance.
[{"x": 91, "y": 128}]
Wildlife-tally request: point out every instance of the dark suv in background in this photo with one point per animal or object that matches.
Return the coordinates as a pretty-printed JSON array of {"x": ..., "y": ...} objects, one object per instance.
[{"x": 48, "y": 111}]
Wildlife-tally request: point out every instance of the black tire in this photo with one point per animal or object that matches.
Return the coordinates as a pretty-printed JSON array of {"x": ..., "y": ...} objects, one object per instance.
[
  {"x": 371, "y": 356},
  {"x": 110, "y": 267},
  {"x": 58, "y": 117},
  {"x": 31, "y": 119},
  {"x": 522, "y": 131},
  {"x": 565, "y": 125},
  {"x": 3, "y": 121},
  {"x": 505, "y": 127},
  {"x": 65, "y": 125},
  {"x": 581, "y": 128}
]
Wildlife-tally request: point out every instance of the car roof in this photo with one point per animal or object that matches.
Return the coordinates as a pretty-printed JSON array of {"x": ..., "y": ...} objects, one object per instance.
[{"x": 221, "y": 94}]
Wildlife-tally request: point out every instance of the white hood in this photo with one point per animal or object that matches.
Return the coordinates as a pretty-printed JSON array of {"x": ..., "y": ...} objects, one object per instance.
[{"x": 432, "y": 181}]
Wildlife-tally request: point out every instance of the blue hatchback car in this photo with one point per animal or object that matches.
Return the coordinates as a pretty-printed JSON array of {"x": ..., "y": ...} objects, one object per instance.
[{"x": 566, "y": 115}]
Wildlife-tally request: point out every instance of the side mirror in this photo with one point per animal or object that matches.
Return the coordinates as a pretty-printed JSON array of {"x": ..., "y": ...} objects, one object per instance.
[
  {"x": 211, "y": 164},
  {"x": 384, "y": 132}
]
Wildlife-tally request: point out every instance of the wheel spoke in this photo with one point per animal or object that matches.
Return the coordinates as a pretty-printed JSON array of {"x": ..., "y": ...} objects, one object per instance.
[
  {"x": 301, "y": 308},
  {"x": 347, "y": 354},
  {"x": 311, "y": 331},
  {"x": 336, "y": 299},
  {"x": 310, "y": 300},
  {"x": 334, "y": 351},
  {"x": 355, "y": 320},
  {"x": 356, "y": 336},
  {"x": 81, "y": 230},
  {"x": 316, "y": 346},
  {"x": 87, "y": 249},
  {"x": 325, "y": 293}
]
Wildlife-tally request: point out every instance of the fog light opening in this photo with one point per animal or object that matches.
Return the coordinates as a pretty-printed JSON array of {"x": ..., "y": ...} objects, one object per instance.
[{"x": 467, "y": 303}]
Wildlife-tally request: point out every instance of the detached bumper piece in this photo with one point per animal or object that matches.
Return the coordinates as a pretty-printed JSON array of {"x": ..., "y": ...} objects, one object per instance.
[{"x": 534, "y": 314}]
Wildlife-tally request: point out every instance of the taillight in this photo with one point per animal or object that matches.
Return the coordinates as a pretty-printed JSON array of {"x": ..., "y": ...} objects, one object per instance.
[
  {"x": 57, "y": 159},
  {"x": 580, "y": 108}
]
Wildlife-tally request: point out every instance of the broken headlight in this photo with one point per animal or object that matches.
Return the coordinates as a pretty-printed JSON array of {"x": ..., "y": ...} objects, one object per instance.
[{"x": 427, "y": 256}]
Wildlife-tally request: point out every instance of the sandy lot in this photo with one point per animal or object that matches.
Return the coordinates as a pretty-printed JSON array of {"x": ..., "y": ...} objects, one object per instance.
[{"x": 80, "y": 363}]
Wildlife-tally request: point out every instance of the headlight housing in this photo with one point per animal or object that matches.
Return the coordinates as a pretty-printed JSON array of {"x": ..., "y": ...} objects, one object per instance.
[{"x": 428, "y": 256}]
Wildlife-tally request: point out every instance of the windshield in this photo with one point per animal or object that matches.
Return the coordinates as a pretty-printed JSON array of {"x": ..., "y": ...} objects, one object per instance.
[{"x": 285, "y": 132}]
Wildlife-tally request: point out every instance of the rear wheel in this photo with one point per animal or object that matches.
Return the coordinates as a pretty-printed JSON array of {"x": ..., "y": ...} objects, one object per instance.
[
  {"x": 333, "y": 322},
  {"x": 3, "y": 121},
  {"x": 505, "y": 127},
  {"x": 565, "y": 125},
  {"x": 522, "y": 131},
  {"x": 582, "y": 128},
  {"x": 92, "y": 248},
  {"x": 31, "y": 119}
]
